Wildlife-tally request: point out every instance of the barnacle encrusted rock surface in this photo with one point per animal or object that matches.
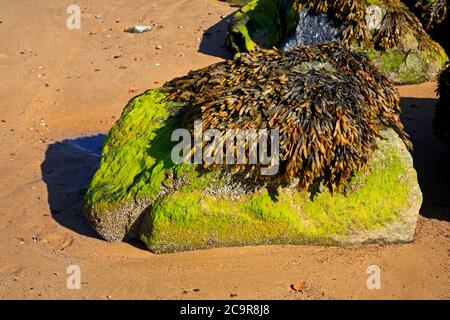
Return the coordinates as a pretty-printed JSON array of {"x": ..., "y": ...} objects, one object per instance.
[
  {"x": 353, "y": 183},
  {"x": 385, "y": 29},
  {"x": 441, "y": 121}
]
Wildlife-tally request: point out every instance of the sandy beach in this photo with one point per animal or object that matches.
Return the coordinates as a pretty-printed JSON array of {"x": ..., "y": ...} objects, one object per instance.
[{"x": 57, "y": 84}]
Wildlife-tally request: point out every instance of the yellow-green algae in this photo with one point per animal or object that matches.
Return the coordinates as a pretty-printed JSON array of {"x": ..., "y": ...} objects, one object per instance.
[
  {"x": 262, "y": 23},
  {"x": 135, "y": 156},
  {"x": 394, "y": 63},
  {"x": 193, "y": 219}
]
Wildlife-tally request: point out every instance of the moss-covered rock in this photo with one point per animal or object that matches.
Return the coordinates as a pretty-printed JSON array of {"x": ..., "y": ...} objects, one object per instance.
[
  {"x": 137, "y": 192},
  {"x": 135, "y": 168},
  {"x": 391, "y": 35},
  {"x": 261, "y": 23}
]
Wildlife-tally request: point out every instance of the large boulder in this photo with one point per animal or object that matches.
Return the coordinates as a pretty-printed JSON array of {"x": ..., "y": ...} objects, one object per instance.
[
  {"x": 385, "y": 29},
  {"x": 137, "y": 192},
  {"x": 344, "y": 174}
]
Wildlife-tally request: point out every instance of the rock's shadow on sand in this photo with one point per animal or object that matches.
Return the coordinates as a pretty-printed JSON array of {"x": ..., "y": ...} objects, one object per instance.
[
  {"x": 431, "y": 157},
  {"x": 67, "y": 170},
  {"x": 213, "y": 40}
]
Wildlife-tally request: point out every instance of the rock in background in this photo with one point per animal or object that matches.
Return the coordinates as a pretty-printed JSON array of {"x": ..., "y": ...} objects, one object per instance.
[{"x": 385, "y": 29}]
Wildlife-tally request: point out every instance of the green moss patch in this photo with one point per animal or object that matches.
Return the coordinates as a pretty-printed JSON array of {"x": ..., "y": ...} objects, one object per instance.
[
  {"x": 262, "y": 23},
  {"x": 136, "y": 159},
  {"x": 412, "y": 67},
  {"x": 193, "y": 219}
]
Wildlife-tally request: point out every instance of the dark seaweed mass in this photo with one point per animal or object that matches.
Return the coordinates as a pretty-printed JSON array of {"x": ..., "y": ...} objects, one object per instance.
[
  {"x": 441, "y": 122},
  {"x": 328, "y": 103},
  {"x": 432, "y": 13}
]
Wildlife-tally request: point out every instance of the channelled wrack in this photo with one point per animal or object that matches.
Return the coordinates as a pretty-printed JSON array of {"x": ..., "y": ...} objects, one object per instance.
[{"x": 328, "y": 103}]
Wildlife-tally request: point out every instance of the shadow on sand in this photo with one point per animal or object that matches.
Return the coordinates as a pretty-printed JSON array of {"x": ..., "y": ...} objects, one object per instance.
[
  {"x": 67, "y": 170},
  {"x": 213, "y": 41},
  {"x": 431, "y": 157}
]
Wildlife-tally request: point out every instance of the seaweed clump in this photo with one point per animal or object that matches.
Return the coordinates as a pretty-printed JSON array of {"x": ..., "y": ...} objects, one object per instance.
[
  {"x": 441, "y": 122},
  {"x": 328, "y": 103},
  {"x": 432, "y": 12}
]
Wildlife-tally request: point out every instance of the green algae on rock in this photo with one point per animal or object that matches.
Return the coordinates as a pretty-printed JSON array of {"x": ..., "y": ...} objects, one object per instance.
[
  {"x": 386, "y": 29},
  {"x": 261, "y": 23},
  {"x": 135, "y": 168},
  {"x": 380, "y": 205}
]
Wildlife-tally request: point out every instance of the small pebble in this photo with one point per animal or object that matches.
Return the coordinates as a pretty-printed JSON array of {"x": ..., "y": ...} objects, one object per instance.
[{"x": 138, "y": 29}]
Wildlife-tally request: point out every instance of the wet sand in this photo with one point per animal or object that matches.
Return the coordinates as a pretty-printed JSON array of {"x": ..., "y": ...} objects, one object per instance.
[{"x": 58, "y": 84}]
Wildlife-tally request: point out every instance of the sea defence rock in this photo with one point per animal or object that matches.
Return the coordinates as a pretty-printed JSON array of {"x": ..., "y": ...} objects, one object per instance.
[
  {"x": 441, "y": 121},
  {"x": 138, "y": 192},
  {"x": 385, "y": 29}
]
